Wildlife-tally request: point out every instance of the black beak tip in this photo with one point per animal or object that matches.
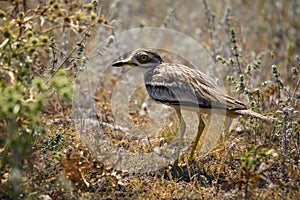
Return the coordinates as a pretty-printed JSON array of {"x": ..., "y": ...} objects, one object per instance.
[{"x": 117, "y": 64}]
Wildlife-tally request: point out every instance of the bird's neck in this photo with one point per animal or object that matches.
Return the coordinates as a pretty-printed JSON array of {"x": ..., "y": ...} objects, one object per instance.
[{"x": 148, "y": 73}]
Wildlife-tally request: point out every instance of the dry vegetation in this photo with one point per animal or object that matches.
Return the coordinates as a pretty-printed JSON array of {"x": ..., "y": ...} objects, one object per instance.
[{"x": 42, "y": 46}]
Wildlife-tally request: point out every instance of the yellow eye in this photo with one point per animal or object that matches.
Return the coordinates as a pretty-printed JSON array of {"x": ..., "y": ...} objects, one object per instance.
[{"x": 143, "y": 58}]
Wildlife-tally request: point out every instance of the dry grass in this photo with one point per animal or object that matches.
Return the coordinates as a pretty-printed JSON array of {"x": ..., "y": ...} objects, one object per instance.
[{"x": 252, "y": 160}]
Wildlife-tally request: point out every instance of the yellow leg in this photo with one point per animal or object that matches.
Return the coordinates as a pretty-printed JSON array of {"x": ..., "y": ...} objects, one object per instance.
[
  {"x": 201, "y": 127},
  {"x": 182, "y": 131}
]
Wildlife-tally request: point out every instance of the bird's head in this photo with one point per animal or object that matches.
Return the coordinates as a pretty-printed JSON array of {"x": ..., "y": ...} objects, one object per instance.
[{"x": 143, "y": 58}]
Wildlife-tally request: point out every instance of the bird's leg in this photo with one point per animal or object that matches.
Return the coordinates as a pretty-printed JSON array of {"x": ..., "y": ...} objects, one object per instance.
[
  {"x": 182, "y": 131},
  {"x": 201, "y": 127}
]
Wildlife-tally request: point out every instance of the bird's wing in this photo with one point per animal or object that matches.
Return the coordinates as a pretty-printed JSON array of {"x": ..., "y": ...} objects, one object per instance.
[{"x": 179, "y": 85}]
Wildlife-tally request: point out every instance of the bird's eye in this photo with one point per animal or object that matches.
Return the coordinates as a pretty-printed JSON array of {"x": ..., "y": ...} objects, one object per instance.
[{"x": 143, "y": 58}]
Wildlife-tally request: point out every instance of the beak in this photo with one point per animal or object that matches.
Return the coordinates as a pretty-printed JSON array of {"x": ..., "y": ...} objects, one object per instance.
[{"x": 123, "y": 63}]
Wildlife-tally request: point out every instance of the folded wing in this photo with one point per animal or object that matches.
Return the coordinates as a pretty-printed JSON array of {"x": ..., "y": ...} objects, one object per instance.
[{"x": 179, "y": 85}]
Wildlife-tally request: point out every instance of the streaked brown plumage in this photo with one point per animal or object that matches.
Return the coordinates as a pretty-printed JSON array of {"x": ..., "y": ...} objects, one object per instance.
[
  {"x": 180, "y": 86},
  {"x": 167, "y": 83}
]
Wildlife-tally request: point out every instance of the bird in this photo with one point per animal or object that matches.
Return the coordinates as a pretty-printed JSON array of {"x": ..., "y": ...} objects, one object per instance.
[{"x": 182, "y": 87}]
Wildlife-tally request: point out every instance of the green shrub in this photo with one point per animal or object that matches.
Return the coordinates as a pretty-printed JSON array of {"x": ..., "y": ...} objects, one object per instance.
[{"x": 33, "y": 70}]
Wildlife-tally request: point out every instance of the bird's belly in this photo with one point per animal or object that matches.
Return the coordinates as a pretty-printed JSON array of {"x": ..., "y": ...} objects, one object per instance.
[{"x": 197, "y": 109}]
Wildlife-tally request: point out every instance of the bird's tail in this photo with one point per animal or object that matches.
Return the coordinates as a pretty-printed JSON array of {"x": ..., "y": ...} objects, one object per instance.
[{"x": 251, "y": 113}]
